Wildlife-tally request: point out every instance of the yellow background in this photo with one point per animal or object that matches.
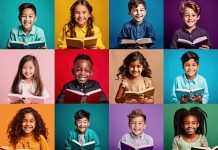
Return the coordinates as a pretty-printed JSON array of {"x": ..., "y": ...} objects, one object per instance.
[{"x": 100, "y": 13}]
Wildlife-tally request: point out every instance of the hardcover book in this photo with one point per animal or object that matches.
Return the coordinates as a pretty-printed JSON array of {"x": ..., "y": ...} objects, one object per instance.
[
  {"x": 183, "y": 43},
  {"x": 189, "y": 93},
  {"x": 29, "y": 45},
  {"x": 14, "y": 98},
  {"x": 127, "y": 146},
  {"x": 87, "y": 146},
  {"x": 81, "y": 43},
  {"x": 148, "y": 92}
]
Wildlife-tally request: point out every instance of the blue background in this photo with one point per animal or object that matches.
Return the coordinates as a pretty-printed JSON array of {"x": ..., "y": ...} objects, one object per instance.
[
  {"x": 64, "y": 122},
  {"x": 9, "y": 19},
  {"x": 208, "y": 69},
  {"x": 119, "y": 16}
]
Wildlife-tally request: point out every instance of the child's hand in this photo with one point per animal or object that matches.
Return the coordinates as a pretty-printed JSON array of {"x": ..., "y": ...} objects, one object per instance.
[
  {"x": 5, "y": 148},
  {"x": 184, "y": 99},
  {"x": 197, "y": 98},
  {"x": 204, "y": 47},
  {"x": 43, "y": 47},
  {"x": 92, "y": 47},
  {"x": 18, "y": 102}
]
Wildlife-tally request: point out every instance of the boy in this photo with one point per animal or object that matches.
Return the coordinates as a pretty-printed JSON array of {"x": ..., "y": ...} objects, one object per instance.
[
  {"x": 190, "y": 13},
  {"x": 82, "y": 71},
  {"x": 27, "y": 31},
  {"x": 82, "y": 133},
  {"x": 138, "y": 27},
  {"x": 137, "y": 123},
  {"x": 190, "y": 80}
]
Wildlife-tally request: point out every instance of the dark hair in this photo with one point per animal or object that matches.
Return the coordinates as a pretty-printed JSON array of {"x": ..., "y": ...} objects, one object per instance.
[
  {"x": 83, "y": 57},
  {"x": 15, "y": 131},
  {"x": 81, "y": 114},
  {"x": 26, "y": 5},
  {"x": 194, "y": 111},
  {"x": 190, "y": 4},
  {"x": 123, "y": 70},
  {"x": 189, "y": 55},
  {"x": 36, "y": 77},
  {"x": 72, "y": 23},
  {"x": 136, "y": 113},
  {"x": 135, "y": 3}
]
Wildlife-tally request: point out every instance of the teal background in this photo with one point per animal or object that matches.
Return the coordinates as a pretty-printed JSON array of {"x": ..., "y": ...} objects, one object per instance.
[
  {"x": 9, "y": 19},
  {"x": 212, "y": 121},
  {"x": 208, "y": 69},
  {"x": 64, "y": 122}
]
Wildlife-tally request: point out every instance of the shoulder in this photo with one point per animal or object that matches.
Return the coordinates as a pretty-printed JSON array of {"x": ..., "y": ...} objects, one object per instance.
[
  {"x": 179, "y": 78},
  {"x": 147, "y": 136},
  {"x": 16, "y": 29},
  {"x": 146, "y": 23},
  {"x": 72, "y": 133},
  {"x": 147, "y": 79},
  {"x": 178, "y": 31},
  {"x": 125, "y": 137},
  {"x": 200, "y": 78},
  {"x": 91, "y": 132},
  {"x": 203, "y": 31},
  {"x": 94, "y": 83},
  {"x": 177, "y": 138},
  {"x": 128, "y": 24},
  {"x": 70, "y": 84},
  {"x": 42, "y": 138},
  {"x": 96, "y": 28}
]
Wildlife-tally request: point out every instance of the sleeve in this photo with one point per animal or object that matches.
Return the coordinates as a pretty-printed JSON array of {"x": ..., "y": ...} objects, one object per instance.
[
  {"x": 151, "y": 141},
  {"x": 103, "y": 99},
  {"x": 97, "y": 143},
  {"x": 204, "y": 142},
  {"x": 60, "y": 97},
  {"x": 123, "y": 35},
  {"x": 99, "y": 43},
  {"x": 151, "y": 34},
  {"x": 11, "y": 38},
  {"x": 43, "y": 143},
  {"x": 173, "y": 42},
  {"x": 173, "y": 93},
  {"x": 67, "y": 145},
  {"x": 62, "y": 39},
  {"x": 41, "y": 36},
  {"x": 209, "y": 41},
  {"x": 45, "y": 94},
  {"x": 175, "y": 145},
  {"x": 206, "y": 92}
]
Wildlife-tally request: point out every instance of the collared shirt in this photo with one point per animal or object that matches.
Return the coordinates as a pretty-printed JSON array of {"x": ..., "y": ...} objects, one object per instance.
[
  {"x": 90, "y": 135},
  {"x": 136, "y": 141},
  {"x": 17, "y": 34},
  {"x": 90, "y": 85},
  {"x": 181, "y": 82},
  {"x": 134, "y": 31},
  {"x": 184, "y": 34},
  {"x": 80, "y": 33}
]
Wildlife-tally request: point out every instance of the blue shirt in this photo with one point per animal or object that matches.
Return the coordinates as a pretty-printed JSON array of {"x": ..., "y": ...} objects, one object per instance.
[
  {"x": 134, "y": 31},
  {"x": 90, "y": 135},
  {"x": 181, "y": 82},
  {"x": 17, "y": 34}
]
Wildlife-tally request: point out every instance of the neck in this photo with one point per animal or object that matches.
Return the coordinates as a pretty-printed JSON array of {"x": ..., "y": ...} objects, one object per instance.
[
  {"x": 26, "y": 135},
  {"x": 190, "y": 29},
  {"x": 81, "y": 26},
  {"x": 28, "y": 80},
  {"x": 190, "y": 77}
]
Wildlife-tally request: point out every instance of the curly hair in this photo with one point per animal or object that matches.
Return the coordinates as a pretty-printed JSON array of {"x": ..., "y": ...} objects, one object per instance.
[
  {"x": 123, "y": 70},
  {"x": 15, "y": 131},
  {"x": 136, "y": 113}
]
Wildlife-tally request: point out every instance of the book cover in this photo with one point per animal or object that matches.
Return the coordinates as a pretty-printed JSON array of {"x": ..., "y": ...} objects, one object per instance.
[
  {"x": 14, "y": 98},
  {"x": 148, "y": 92},
  {"x": 204, "y": 148},
  {"x": 72, "y": 96},
  {"x": 29, "y": 45},
  {"x": 81, "y": 43},
  {"x": 126, "y": 146},
  {"x": 87, "y": 146},
  {"x": 183, "y": 43},
  {"x": 189, "y": 93}
]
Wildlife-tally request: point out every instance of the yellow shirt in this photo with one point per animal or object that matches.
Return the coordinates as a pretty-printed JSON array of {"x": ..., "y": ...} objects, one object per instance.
[{"x": 80, "y": 33}]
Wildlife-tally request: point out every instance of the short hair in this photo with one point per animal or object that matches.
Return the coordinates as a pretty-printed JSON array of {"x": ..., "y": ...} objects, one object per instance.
[
  {"x": 189, "y": 55},
  {"x": 135, "y": 3},
  {"x": 83, "y": 57},
  {"x": 136, "y": 113},
  {"x": 190, "y": 4},
  {"x": 81, "y": 114},
  {"x": 26, "y": 5}
]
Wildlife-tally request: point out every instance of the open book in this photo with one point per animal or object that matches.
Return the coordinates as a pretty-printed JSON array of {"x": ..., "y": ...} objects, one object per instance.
[
  {"x": 14, "y": 98},
  {"x": 204, "y": 148},
  {"x": 127, "y": 146},
  {"x": 29, "y": 45},
  {"x": 81, "y": 43},
  {"x": 143, "y": 41},
  {"x": 72, "y": 96},
  {"x": 189, "y": 93},
  {"x": 148, "y": 92},
  {"x": 183, "y": 43},
  {"x": 87, "y": 146}
]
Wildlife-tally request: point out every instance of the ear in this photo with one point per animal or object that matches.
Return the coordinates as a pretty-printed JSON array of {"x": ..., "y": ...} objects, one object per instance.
[
  {"x": 129, "y": 13},
  {"x": 35, "y": 19},
  {"x": 88, "y": 124},
  {"x": 72, "y": 71},
  {"x": 145, "y": 12},
  {"x": 144, "y": 126},
  {"x": 198, "y": 17}
]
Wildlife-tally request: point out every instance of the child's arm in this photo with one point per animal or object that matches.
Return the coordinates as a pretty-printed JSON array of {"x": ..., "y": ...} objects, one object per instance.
[
  {"x": 173, "y": 93},
  {"x": 62, "y": 38},
  {"x": 99, "y": 44},
  {"x": 151, "y": 34},
  {"x": 123, "y": 35},
  {"x": 120, "y": 98},
  {"x": 174, "y": 41},
  {"x": 60, "y": 97},
  {"x": 150, "y": 99},
  {"x": 41, "y": 37},
  {"x": 11, "y": 38},
  {"x": 43, "y": 143}
]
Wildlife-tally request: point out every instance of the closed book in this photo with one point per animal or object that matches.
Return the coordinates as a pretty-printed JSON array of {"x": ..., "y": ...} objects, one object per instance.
[
  {"x": 189, "y": 93},
  {"x": 196, "y": 44},
  {"x": 75, "y": 145},
  {"x": 81, "y": 43},
  {"x": 127, "y": 146},
  {"x": 14, "y": 98},
  {"x": 29, "y": 45}
]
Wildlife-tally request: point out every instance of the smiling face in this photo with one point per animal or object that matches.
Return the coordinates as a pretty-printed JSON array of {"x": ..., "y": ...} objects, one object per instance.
[
  {"x": 81, "y": 15},
  {"x": 190, "y": 18},
  {"x": 28, "y": 70},
  {"x": 135, "y": 69},
  {"x": 28, "y": 124},
  {"x": 190, "y": 124},
  {"x": 138, "y": 13},
  {"x": 137, "y": 125},
  {"x": 82, "y": 125},
  {"x": 191, "y": 68}
]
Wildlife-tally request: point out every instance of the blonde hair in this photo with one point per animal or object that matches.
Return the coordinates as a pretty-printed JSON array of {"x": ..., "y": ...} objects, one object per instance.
[{"x": 190, "y": 4}]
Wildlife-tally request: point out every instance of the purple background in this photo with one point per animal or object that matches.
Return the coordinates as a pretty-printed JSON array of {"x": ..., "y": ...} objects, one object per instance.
[
  {"x": 119, "y": 122},
  {"x": 208, "y": 19}
]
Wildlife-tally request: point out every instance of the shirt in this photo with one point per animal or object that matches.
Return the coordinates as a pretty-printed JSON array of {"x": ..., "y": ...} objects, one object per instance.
[
  {"x": 184, "y": 34},
  {"x": 90, "y": 85},
  {"x": 181, "y": 82},
  {"x": 134, "y": 31},
  {"x": 17, "y": 34},
  {"x": 136, "y": 141},
  {"x": 90, "y": 135},
  {"x": 80, "y": 33}
]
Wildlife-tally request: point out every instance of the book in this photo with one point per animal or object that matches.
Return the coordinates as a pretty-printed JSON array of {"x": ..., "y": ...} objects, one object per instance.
[
  {"x": 14, "y": 98},
  {"x": 75, "y": 145},
  {"x": 198, "y": 42},
  {"x": 127, "y": 146},
  {"x": 142, "y": 41},
  {"x": 204, "y": 148},
  {"x": 81, "y": 43},
  {"x": 29, "y": 45},
  {"x": 72, "y": 96},
  {"x": 189, "y": 93},
  {"x": 148, "y": 92}
]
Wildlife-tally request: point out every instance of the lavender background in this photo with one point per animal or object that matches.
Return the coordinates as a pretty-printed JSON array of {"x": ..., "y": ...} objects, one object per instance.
[
  {"x": 208, "y": 19},
  {"x": 119, "y": 122}
]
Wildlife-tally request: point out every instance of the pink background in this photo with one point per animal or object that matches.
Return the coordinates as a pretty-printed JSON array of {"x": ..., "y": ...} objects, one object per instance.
[{"x": 9, "y": 61}]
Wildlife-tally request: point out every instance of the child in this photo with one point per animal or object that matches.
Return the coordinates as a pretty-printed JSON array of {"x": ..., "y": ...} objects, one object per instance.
[
  {"x": 27, "y": 130},
  {"x": 190, "y": 80},
  {"x": 190, "y": 13},
  {"x": 80, "y": 25},
  {"x": 136, "y": 76},
  {"x": 82, "y": 71},
  {"x": 138, "y": 27},
  {"x": 137, "y": 123},
  {"x": 82, "y": 133},
  {"x": 27, "y": 81},
  {"x": 189, "y": 126},
  {"x": 27, "y": 31}
]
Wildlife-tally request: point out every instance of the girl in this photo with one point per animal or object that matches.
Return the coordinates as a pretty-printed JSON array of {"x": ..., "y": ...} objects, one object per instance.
[
  {"x": 80, "y": 25},
  {"x": 189, "y": 126},
  {"x": 27, "y": 81},
  {"x": 136, "y": 76}
]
